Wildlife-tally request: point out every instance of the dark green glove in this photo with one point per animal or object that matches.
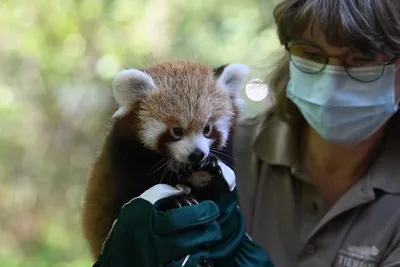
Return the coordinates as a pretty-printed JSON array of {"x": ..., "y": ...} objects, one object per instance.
[
  {"x": 235, "y": 248},
  {"x": 208, "y": 232},
  {"x": 143, "y": 236}
]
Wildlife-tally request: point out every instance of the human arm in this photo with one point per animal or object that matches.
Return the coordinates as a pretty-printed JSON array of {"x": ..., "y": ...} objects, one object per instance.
[
  {"x": 236, "y": 248},
  {"x": 144, "y": 236}
]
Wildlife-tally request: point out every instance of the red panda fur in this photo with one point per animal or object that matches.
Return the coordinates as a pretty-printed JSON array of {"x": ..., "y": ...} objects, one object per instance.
[{"x": 174, "y": 99}]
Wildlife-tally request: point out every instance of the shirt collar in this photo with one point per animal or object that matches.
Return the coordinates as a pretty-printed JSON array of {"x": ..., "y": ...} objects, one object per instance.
[
  {"x": 277, "y": 144},
  {"x": 385, "y": 172}
]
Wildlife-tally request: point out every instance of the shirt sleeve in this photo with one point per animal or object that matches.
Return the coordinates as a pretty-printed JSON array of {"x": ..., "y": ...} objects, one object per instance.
[{"x": 393, "y": 259}]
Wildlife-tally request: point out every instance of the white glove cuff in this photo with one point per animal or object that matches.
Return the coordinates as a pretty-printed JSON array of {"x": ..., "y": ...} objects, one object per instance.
[
  {"x": 160, "y": 191},
  {"x": 228, "y": 174}
]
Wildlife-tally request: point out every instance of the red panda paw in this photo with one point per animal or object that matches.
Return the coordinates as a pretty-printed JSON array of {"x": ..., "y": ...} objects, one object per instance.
[
  {"x": 204, "y": 172},
  {"x": 211, "y": 174},
  {"x": 200, "y": 179}
]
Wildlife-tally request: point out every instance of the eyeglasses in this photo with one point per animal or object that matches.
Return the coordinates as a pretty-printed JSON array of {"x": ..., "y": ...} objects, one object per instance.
[{"x": 352, "y": 62}]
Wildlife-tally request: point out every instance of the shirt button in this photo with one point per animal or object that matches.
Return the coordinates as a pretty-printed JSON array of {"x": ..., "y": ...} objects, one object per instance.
[{"x": 309, "y": 249}]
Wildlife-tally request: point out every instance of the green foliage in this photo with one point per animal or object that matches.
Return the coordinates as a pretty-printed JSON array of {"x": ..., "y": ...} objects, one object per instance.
[{"x": 58, "y": 59}]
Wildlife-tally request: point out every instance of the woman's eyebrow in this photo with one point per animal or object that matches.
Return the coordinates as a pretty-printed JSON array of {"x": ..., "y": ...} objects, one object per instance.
[
  {"x": 311, "y": 41},
  {"x": 308, "y": 40}
]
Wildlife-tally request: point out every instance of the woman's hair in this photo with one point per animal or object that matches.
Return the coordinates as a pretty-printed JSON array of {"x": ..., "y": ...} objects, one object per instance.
[{"x": 364, "y": 25}]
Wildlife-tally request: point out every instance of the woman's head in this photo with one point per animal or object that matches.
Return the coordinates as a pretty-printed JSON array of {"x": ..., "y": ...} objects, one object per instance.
[
  {"x": 364, "y": 32},
  {"x": 366, "y": 25}
]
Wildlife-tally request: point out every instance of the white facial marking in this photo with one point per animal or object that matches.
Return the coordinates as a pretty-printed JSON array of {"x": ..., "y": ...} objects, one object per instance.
[
  {"x": 222, "y": 125},
  {"x": 181, "y": 149},
  {"x": 151, "y": 132}
]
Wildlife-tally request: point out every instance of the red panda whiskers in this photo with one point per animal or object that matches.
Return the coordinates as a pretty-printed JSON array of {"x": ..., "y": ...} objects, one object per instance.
[{"x": 182, "y": 94}]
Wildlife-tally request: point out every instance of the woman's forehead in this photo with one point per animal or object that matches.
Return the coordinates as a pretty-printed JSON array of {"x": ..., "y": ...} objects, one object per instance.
[
  {"x": 314, "y": 35},
  {"x": 366, "y": 26},
  {"x": 338, "y": 47}
]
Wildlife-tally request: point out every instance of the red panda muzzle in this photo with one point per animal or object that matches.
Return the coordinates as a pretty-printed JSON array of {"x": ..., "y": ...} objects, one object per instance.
[
  {"x": 196, "y": 156},
  {"x": 139, "y": 151}
]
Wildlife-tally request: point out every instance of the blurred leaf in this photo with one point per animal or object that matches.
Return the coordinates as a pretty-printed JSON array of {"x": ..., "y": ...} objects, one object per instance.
[{"x": 58, "y": 59}]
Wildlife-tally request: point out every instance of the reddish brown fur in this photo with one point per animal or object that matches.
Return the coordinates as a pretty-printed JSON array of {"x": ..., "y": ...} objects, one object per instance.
[
  {"x": 163, "y": 141},
  {"x": 192, "y": 98},
  {"x": 99, "y": 208}
]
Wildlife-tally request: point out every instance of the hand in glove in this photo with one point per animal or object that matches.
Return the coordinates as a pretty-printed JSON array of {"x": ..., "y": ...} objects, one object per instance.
[
  {"x": 145, "y": 236},
  {"x": 235, "y": 248}
]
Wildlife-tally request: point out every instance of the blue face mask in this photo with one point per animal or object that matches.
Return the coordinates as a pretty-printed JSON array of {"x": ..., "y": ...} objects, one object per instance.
[{"x": 339, "y": 108}]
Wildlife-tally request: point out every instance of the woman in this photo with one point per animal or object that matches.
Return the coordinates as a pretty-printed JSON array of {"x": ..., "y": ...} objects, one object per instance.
[{"x": 318, "y": 176}]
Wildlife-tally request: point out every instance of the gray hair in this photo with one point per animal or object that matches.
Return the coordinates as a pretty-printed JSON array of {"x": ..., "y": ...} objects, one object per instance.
[{"x": 369, "y": 26}]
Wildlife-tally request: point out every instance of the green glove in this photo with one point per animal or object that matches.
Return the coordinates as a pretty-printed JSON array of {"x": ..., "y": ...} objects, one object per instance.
[
  {"x": 204, "y": 234},
  {"x": 235, "y": 248},
  {"x": 143, "y": 236}
]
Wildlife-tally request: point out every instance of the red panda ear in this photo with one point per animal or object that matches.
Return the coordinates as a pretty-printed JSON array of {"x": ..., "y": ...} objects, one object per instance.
[
  {"x": 218, "y": 70},
  {"x": 130, "y": 86},
  {"x": 231, "y": 78}
]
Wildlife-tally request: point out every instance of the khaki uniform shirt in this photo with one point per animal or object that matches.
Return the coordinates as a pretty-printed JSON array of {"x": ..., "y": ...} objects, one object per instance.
[{"x": 284, "y": 211}]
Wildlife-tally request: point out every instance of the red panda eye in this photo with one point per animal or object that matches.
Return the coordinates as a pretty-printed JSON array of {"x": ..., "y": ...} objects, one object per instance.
[
  {"x": 176, "y": 133},
  {"x": 207, "y": 130}
]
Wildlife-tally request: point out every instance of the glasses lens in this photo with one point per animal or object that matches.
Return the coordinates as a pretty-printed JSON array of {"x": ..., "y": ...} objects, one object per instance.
[
  {"x": 307, "y": 58},
  {"x": 365, "y": 68}
]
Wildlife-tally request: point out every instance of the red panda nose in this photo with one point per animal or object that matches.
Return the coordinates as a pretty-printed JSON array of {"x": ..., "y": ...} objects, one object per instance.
[{"x": 196, "y": 156}]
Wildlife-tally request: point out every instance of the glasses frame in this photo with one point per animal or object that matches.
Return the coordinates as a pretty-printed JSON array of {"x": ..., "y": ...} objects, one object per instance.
[{"x": 343, "y": 60}]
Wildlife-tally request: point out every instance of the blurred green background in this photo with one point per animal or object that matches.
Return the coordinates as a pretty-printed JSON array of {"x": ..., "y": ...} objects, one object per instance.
[{"x": 57, "y": 62}]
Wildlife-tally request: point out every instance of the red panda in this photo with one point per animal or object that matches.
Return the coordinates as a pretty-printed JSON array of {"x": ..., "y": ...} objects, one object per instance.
[{"x": 170, "y": 115}]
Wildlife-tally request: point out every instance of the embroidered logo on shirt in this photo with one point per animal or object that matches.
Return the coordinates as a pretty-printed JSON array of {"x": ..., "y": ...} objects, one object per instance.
[
  {"x": 365, "y": 251},
  {"x": 358, "y": 256}
]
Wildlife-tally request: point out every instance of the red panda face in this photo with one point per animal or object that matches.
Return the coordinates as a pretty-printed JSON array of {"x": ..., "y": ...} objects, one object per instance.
[{"x": 183, "y": 110}]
